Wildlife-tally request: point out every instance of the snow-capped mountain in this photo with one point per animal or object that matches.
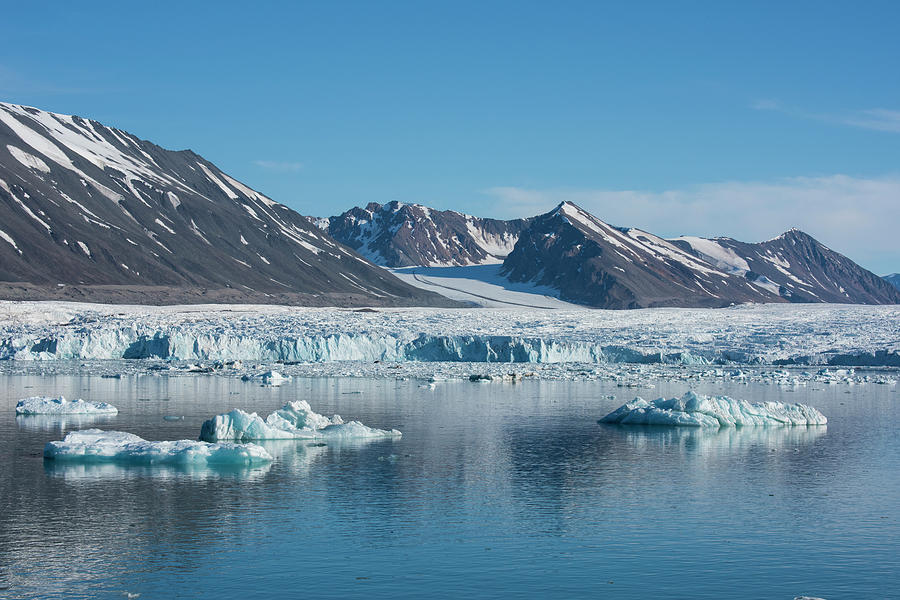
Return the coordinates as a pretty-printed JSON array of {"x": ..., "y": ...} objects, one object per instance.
[
  {"x": 796, "y": 267},
  {"x": 93, "y": 212},
  {"x": 593, "y": 263},
  {"x": 404, "y": 235},
  {"x": 893, "y": 279}
]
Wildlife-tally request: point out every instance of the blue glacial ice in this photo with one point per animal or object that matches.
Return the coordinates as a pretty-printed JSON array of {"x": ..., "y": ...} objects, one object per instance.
[
  {"x": 296, "y": 420},
  {"x": 768, "y": 334},
  {"x": 98, "y": 446},
  {"x": 693, "y": 410},
  {"x": 40, "y": 405}
]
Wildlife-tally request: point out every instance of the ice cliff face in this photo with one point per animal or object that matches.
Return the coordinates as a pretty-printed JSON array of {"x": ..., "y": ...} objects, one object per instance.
[
  {"x": 774, "y": 334},
  {"x": 83, "y": 205},
  {"x": 405, "y": 235}
]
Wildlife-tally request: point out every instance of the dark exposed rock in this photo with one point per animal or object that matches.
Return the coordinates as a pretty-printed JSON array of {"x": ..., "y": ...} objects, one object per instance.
[
  {"x": 104, "y": 216},
  {"x": 405, "y": 235}
]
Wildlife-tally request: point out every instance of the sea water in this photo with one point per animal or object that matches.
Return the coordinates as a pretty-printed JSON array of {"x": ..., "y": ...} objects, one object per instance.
[{"x": 495, "y": 490}]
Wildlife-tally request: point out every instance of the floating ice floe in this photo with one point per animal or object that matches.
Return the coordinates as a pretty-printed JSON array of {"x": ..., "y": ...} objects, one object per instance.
[
  {"x": 693, "y": 410},
  {"x": 296, "y": 420},
  {"x": 40, "y": 405},
  {"x": 98, "y": 446}
]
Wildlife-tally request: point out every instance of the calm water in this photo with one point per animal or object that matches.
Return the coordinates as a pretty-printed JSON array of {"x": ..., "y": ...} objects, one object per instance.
[{"x": 493, "y": 491}]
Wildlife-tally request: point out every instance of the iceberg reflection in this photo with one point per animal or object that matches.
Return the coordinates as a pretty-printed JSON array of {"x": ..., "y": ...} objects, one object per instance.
[
  {"x": 725, "y": 440},
  {"x": 61, "y": 422},
  {"x": 70, "y": 471}
]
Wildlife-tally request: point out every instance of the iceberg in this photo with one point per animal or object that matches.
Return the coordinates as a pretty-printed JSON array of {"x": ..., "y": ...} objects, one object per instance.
[
  {"x": 40, "y": 405},
  {"x": 296, "y": 420},
  {"x": 98, "y": 446},
  {"x": 693, "y": 410}
]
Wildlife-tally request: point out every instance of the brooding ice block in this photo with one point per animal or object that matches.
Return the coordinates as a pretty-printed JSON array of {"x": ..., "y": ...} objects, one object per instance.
[{"x": 693, "y": 410}]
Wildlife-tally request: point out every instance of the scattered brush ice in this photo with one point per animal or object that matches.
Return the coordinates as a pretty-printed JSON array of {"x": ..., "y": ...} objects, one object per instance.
[
  {"x": 98, "y": 446},
  {"x": 692, "y": 410},
  {"x": 296, "y": 420},
  {"x": 40, "y": 405}
]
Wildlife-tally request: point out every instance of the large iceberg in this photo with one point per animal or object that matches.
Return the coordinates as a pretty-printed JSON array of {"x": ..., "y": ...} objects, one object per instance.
[
  {"x": 98, "y": 446},
  {"x": 40, "y": 405},
  {"x": 296, "y": 420},
  {"x": 693, "y": 410}
]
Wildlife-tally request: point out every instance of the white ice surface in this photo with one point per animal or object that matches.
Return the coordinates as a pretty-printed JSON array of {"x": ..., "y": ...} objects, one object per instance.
[
  {"x": 481, "y": 285},
  {"x": 693, "y": 410},
  {"x": 40, "y": 405},
  {"x": 811, "y": 333},
  {"x": 296, "y": 420},
  {"x": 96, "y": 445}
]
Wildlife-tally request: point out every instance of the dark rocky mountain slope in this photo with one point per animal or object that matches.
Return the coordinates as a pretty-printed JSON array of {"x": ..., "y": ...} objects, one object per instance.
[
  {"x": 405, "y": 235},
  {"x": 797, "y": 267},
  {"x": 93, "y": 213},
  {"x": 593, "y": 263}
]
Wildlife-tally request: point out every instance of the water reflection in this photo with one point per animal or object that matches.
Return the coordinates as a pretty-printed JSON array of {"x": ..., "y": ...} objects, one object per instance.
[
  {"x": 709, "y": 441},
  {"x": 60, "y": 423},
  {"x": 75, "y": 472}
]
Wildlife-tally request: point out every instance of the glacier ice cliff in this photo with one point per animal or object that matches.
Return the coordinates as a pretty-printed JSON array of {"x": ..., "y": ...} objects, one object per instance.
[
  {"x": 693, "y": 410},
  {"x": 296, "y": 420},
  {"x": 752, "y": 334},
  {"x": 98, "y": 446}
]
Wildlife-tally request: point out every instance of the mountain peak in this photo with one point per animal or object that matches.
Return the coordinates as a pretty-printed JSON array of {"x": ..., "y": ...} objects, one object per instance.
[{"x": 83, "y": 204}]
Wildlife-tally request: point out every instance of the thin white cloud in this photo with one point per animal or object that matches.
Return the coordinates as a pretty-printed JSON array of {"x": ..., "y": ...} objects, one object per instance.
[
  {"x": 281, "y": 166},
  {"x": 858, "y": 217},
  {"x": 876, "y": 119}
]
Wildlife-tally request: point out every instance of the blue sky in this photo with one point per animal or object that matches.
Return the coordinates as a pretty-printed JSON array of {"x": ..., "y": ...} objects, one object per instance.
[{"x": 706, "y": 118}]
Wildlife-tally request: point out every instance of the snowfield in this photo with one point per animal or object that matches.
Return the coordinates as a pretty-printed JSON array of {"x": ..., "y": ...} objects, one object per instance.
[{"x": 774, "y": 334}]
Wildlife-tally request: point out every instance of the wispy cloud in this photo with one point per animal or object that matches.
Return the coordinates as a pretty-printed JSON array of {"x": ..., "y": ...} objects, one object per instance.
[
  {"x": 855, "y": 216},
  {"x": 280, "y": 166},
  {"x": 876, "y": 119}
]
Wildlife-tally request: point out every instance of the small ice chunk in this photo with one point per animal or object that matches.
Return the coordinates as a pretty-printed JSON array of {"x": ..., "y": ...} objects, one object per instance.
[
  {"x": 98, "y": 446},
  {"x": 274, "y": 378},
  {"x": 296, "y": 420},
  {"x": 693, "y": 410},
  {"x": 40, "y": 405}
]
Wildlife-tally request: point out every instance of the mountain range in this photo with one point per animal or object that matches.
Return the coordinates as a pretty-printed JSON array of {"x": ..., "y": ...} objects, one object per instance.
[
  {"x": 89, "y": 212},
  {"x": 582, "y": 260}
]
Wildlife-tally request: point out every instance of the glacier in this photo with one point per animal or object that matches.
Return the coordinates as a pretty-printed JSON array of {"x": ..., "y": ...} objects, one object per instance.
[
  {"x": 99, "y": 446},
  {"x": 693, "y": 410},
  {"x": 296, "y": 420},
  {"x": 775, "y": 334},
  {"x": 41, "y": 405}
]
